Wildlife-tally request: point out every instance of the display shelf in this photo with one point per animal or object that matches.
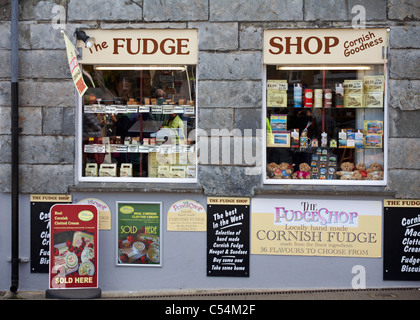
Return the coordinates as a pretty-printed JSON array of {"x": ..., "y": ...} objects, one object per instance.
[
  {"x": 324, "y": 108},
  {"x": 120, "y": 109},
  {"x": 120, "y": 148},
  {"x": 333, "y": 149},
  {"x": 340, "y": 112}
]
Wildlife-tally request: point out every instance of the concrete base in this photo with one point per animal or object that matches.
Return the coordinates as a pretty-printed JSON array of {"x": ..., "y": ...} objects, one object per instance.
[{"x": 91, "y": 293}]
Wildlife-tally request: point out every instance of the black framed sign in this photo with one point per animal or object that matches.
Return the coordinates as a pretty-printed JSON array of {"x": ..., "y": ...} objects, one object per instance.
[
  {"x": 228, "y": 236},
  {"x": 40, "y": 233},
  {"x": 402, "y": 239}
]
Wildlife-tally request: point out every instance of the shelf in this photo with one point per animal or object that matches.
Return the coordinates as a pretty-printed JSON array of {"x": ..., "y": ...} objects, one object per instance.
[
  {"x": 115, "y": 109},
  {"x": 133, "y": 148},
  {"x": 322, "y": 108},
  {"x": 329, "y": 148}
]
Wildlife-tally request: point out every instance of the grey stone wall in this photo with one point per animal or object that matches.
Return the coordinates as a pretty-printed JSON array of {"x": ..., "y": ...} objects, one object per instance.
[{"x": 230, "y": 80}]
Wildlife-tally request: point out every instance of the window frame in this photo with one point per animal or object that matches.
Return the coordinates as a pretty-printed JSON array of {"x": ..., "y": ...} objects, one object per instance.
[
  {"x": 327, "y": 182},
  {"x": 141, "y": 180}
]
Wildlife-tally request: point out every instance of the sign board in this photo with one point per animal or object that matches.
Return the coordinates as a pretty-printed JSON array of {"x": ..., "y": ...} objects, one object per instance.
[
  {"x": 186, "y": 215},
  {"x": 313, "y": 227},
  {"x": 141, "y": 47},
  {"x": 228, "y": 237},
  {"x": 325, "y": 46},
  {"x": 402, "y": 239},
  {"x": 73, "y": 247},
  {"x": 139, "y": 234},
  {"x": 40, "y": 228}
]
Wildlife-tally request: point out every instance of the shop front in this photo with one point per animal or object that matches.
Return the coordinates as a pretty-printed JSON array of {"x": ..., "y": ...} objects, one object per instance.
[
  {"x": 325, "y": 125},
  {"x": 157, "y": 136},
  {"x": 324, "y": 102}
]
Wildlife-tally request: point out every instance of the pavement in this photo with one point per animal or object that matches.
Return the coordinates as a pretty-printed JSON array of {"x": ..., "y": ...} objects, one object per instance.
[{"x": 404, "y": 293}]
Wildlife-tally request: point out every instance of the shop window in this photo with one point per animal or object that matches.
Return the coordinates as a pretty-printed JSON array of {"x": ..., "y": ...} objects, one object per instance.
[
  {"x": 138, "y": 123},
  {"x": 325, "y": 124}
]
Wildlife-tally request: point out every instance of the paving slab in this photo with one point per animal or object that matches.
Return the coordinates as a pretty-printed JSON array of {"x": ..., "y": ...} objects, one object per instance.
[{"x": 328, "y": 294}]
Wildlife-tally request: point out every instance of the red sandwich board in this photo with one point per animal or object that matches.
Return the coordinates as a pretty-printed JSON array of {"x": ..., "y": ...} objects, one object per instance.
[{"x": 73, "y": 247}]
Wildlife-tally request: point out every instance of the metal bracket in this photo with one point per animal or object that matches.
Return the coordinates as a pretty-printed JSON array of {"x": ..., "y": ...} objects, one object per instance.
[{"x": 21, "y": 260}]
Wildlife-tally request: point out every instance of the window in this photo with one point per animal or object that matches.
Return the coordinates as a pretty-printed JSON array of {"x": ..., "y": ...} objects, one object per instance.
[
  {"x": 325, "y": 124},
  {"x": 138, "y": 123},
  {"x": 325, "y": 106},
  {"x": 137, "y": 120}
]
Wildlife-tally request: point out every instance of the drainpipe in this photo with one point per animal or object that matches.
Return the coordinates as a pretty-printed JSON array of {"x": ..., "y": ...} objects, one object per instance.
[{"x": 14, "y": 13}]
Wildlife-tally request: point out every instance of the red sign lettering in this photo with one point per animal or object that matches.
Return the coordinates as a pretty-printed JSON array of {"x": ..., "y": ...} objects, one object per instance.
[{"x": 148, "y": 46}]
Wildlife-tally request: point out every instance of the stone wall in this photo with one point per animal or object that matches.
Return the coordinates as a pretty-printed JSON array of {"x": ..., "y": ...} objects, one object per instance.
[{"x": 230, "y": 79}]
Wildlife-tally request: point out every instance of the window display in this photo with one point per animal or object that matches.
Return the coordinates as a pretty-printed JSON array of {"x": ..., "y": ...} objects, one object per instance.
[
  {"x": 325, "y": 123},
  {"x": 138, "y": 122}
]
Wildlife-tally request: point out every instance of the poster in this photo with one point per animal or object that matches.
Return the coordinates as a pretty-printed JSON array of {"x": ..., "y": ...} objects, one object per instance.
[
  {"x": 139, "y": 234},
  {"x": 186, "y": 215},
  {"x": 73, "y": 246},
  {"x": 104, "y": 213},
  {"x": 316, "y": 227},
  {"x": 228, "y": 237},
  {"x": 40, "y": 228},
  {"x": 402, "y": 239},
  {"x": 76, "y": 73}
]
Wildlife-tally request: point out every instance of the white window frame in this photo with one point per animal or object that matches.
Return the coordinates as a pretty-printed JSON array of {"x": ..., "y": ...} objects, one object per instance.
[
  {"x": 383, "y": 182},
  {"x": 79, "y": 152}
]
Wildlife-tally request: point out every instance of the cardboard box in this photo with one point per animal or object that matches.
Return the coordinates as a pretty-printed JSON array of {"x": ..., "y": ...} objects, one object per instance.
[
  {"x": 91, "y": 170},
  {"x": 373, "y": 141},
  {"x": 108, "y": 170},
  {"x": 164, "y": 172},
  {"x": 353, "y": 87},
  {"x": 374, "y": 84},
  {"x": 276, "y": 98},
  {"x": 353, "y": 100},
  {"x": 190, "y": 171},
  {"x": 126, "y": 170},
  {"x": 177, "y": 171},
  {"x": 156, "y": 159},
  {"x": 374, "y": 100}
]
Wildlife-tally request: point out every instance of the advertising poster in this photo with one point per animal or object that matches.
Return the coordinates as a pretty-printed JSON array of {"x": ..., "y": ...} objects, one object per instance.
[
  {"x": 74, "y": 66},
  {"x": 315, "y": 227},
  {"x": 139, "y": 234},
  {"x": 228, "y": 237},
  {"x": 40, "y": 228},
  {"x": 186, "y": 215},
  {"x": 104, "y": 213},
  {"x": 73, "y": 246},
  {"x": 402, "y": 239}
]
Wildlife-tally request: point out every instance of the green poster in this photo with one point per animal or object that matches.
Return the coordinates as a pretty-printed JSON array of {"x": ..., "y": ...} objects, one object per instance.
[{"x": 139, "y": 226}]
